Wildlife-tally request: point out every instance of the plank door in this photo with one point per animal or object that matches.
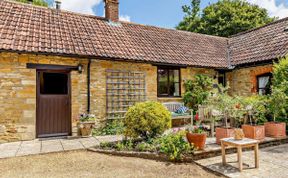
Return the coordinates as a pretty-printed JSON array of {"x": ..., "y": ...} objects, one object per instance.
[{"x": 53, "y": 103}]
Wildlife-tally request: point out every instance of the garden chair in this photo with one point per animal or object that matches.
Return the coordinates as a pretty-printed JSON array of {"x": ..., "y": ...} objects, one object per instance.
[
  {"x": 173, "y": 106},
  {"x": 208, "y": 115}
]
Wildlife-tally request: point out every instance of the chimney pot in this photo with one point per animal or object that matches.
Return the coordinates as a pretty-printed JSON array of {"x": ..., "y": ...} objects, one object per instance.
[
  {"x": 58, "y": 4},
  {"x": 112, "y": 10}
]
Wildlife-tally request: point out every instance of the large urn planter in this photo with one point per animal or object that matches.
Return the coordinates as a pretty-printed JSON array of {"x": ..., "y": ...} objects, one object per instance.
[
  {"x": 197, "y": 139},
  {"x": 222, "y": 132},
  {"x": 256, "y": 132},
  {"x": 275, "y": 129},
  {"x": 85, "y": 128}
]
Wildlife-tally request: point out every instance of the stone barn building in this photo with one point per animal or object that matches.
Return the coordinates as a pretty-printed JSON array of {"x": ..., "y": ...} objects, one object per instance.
[{"x": 56, "y": 64}]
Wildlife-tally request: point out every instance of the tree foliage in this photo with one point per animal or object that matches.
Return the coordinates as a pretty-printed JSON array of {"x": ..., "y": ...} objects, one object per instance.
[
  {"x": 279, "y": 96},
  {"x": 224, "y": 18},
  {"x": 197, "y": 90},
  {"x": 35, "y": 2}
]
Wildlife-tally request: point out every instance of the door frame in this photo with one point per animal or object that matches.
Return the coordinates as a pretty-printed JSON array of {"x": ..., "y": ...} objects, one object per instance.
[{"x": 68, "y": 72}]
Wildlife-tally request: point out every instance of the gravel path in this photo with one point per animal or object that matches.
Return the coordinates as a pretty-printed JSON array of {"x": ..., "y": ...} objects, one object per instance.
[{"x": 89, "y": 164}]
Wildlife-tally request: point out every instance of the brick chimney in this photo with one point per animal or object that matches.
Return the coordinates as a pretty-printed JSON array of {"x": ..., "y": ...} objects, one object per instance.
[{"x": 112, "y": 10}]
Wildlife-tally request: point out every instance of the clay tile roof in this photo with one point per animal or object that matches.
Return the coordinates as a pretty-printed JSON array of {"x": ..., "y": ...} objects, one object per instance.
[
  {"x": 27, "y": 28},
  {"x": 260, "y": 44}
]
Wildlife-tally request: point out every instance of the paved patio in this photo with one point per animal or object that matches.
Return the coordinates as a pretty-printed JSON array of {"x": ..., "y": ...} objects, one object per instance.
[
  {"x": 273, "y": 163},
  {"x": 48, "y": 146}
]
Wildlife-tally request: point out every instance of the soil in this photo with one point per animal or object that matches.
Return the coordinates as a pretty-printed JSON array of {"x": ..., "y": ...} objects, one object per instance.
[{"x": 90, "y": 164}]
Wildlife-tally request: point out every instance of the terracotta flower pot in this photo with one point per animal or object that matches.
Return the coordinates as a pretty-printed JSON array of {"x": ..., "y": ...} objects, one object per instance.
[
  {"x": 275, "y": 129},
  {"x": 86, "y": 128},
  {"x": 223, "y": 133},
  {"x": 254, "y": 131},
  {"x": 198, "y": 140}
]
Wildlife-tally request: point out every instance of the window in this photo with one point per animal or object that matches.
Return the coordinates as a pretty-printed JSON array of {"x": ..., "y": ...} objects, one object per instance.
[
  {"x": 168, "y": 82},
  {"x": 53, "y": 83},
  {"x": 221, "y": 78},
  {"x": 264, "y": 84}
]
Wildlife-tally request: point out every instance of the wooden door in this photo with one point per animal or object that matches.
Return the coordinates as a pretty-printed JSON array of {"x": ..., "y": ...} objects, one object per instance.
[{"x": 53, "y": 103}]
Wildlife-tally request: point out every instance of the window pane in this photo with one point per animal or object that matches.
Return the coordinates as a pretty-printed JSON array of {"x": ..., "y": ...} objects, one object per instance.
[
  {"x": 264, "y": 85},
  {"x": 176, "y": 75},
  {"x": 177, "y": 89},
  {"x": 53, "y": 83},
  {"x": 163, "y": 81}
]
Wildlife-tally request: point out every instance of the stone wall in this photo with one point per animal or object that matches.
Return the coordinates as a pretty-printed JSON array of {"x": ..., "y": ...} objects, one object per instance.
[
  {"x": 18, "y": 93},
  {"x": 18, "y": 89},
  {"x": 243, "y": 81}
]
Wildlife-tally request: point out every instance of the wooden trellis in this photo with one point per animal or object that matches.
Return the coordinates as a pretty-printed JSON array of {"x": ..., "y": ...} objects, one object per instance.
[{"x": 123, "y": 89}]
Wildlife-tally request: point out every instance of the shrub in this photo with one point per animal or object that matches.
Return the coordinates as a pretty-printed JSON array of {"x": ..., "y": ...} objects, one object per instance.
[
  {"x": 259, "y": 108},
  {"x": 197, "y": 90},
  {"x": 146, "y": 120},
  {"x": 279, "y": 97},
  {"x": 115, "y": 127},
  {"x": 144, "y": 146},
  {"x": 173, "y": 145}
]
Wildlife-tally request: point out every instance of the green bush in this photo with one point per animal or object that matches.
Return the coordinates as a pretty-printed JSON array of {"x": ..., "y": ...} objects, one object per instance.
[
  {"x": 197, "y": 91},
  {"x": 259, "y": 108},
  {"x": 146, "y": 120},
  {"x": 173, "y": 145},
  {"x": 115, "y": 127},
  {"x": 145, "y": 146},
  {"x": 279, "y": 97}
]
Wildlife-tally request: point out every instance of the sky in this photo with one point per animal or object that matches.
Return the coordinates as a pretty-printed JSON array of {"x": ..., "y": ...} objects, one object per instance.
[{"x": 162, "y": 13}]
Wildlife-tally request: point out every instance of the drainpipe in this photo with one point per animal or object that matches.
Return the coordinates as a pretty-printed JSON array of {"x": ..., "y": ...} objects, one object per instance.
[{"x": 88, "y": 86}]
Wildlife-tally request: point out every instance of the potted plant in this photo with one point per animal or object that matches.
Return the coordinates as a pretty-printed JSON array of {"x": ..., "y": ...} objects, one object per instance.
[
  {"x": 197, "y": 136},
  {"x": 86, "y": 124},
  {"x": 221, "y": 102},
  {"x": 277, "y": 105},
  {"x": 255, "y": 112}
]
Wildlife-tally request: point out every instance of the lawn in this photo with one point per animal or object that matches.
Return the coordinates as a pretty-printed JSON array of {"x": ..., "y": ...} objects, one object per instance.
[{"x": 89, "y": 164}]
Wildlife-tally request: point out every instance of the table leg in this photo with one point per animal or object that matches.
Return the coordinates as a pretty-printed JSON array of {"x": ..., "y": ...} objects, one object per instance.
[
  {"x": 256, "y": 154},
  {"x": 239, "y": 157},
  {"x": 223, "y": 153}
]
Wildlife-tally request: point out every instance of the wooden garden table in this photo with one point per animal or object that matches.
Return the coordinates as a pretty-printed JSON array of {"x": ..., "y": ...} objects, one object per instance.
[{"x": 239, "y": 144}]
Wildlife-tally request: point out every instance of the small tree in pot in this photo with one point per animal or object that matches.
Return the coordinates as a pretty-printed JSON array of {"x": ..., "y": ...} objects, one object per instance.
[
  {"x": 278, "y": 103},
  {"x": 86, "y": 124},
  {"x": 222, "y": 102},
  {"x": 255, "y": 107}
]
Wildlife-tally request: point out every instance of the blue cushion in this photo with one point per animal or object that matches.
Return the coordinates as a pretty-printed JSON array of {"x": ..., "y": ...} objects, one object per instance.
[
  {"x": 174, "y": 114},
  {"x": 181, "y": 110}
]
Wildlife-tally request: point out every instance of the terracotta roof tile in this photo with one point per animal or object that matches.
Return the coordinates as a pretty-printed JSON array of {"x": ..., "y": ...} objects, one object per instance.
[
  {"x": 43, "y": 30},
  {"x": 26, "y": 28},
  {"x": 260, "y": 44}
]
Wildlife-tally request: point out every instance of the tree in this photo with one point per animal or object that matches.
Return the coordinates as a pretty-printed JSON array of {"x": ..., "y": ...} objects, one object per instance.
[
  {"x": 224, "y": 18},
  {"x": 36, "y": 2}
]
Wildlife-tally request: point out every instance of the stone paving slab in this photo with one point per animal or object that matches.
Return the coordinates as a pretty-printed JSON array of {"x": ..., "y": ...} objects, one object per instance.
[
  {"x": 51, "y": 146},
  {"x": 36, "y": 146},
  {"x": 71, "y": 145},
  {"x": 273, "y": 163}
]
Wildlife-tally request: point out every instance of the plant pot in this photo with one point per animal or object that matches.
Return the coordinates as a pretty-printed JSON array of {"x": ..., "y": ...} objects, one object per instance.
[
  {"x": 86, "y": 128},
  {"x": 275, "y": 129},
  {"x": 222, "y": 132},
  {"x": 198, "y": 140},
  {"x": 254, "y": 131}
]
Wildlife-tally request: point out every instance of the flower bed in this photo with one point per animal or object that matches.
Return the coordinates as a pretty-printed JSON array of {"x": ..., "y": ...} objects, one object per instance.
[{"x": 172, "y": 146}]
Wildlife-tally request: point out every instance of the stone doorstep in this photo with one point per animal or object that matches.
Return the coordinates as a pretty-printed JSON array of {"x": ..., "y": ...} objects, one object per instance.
[{"x": 213, "y": 149}]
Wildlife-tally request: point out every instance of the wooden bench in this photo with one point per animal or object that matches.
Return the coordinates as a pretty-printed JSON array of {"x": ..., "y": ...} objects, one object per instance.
[{"x": 173, "y": 106}]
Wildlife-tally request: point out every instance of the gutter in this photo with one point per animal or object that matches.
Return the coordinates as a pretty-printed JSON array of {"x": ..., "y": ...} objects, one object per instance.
[{"x": 88, "y": 85}]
